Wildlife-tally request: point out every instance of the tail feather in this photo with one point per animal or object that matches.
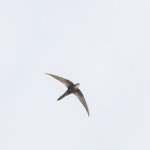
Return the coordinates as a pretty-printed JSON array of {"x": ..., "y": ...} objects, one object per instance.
[{"x": 62, "y": 96}]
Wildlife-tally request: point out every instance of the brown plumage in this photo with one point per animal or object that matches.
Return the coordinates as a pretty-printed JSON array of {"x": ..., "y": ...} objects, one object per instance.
[{"x": 72, "y": 88}]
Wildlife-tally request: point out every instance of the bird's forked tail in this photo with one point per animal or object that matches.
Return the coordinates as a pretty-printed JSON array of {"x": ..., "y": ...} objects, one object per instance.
[{"x": 62, "y": 96}]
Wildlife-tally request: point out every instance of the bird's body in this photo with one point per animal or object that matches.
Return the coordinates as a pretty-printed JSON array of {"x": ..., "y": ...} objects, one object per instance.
[{"x": 72, "y": 88}]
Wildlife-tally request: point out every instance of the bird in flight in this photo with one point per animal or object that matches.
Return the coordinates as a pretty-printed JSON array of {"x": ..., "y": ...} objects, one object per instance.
[{"x": 72, "y": 88}]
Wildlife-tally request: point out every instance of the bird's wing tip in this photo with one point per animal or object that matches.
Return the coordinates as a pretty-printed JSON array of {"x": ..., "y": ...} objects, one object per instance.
[{"x": 47, "y": 73}]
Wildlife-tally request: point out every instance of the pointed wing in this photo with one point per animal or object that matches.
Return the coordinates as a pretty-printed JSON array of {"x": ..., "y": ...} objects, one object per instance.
[
  {"x": 63, "y": 80},
  {"x": 80, "y": 96}
]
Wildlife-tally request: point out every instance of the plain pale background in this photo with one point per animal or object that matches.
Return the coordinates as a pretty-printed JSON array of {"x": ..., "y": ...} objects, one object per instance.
[{"x": 102, "y": 44}]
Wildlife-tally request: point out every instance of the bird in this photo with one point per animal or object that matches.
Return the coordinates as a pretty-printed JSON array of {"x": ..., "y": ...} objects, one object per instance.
[{"x": 71, "y": 89}]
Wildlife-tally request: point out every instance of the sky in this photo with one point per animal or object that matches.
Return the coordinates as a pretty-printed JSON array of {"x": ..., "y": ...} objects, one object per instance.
[{"x": 103, "y": 45}]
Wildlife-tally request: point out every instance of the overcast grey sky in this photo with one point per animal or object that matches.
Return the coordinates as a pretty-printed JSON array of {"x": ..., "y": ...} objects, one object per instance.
[{"x": 102, "y": 44}]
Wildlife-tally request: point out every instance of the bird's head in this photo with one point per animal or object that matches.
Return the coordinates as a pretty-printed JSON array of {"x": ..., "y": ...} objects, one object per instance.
[{"x": 77, "y": 85}]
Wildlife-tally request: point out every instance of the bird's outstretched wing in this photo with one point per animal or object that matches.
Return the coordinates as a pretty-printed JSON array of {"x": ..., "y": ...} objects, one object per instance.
[
  {"x": 80, "y": 96},
  {"x": 63, "y": 80}
]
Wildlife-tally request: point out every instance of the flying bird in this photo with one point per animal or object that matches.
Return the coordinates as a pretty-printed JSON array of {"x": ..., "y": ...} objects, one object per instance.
[{"x": 72, "y": 88}]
